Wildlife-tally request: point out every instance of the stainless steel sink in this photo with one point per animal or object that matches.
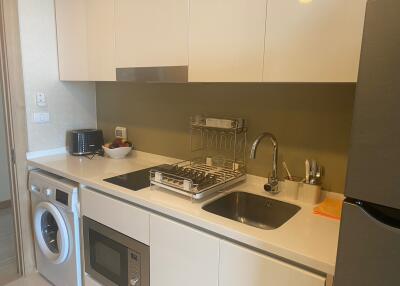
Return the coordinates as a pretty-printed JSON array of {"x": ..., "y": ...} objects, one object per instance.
[{"x": 254, "y": 210}]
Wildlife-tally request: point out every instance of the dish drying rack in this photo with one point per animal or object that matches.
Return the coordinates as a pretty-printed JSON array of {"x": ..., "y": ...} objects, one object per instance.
[{"x": 219, "y": 149}]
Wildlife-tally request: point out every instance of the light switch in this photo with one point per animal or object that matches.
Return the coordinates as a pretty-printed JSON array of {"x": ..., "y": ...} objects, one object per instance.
[
  {"x": 41, "y": 99},
  {"x": 41, "y": 117}
]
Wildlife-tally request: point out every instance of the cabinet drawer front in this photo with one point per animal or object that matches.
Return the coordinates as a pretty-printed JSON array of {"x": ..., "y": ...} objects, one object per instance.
[
  {"x": 118, "y": 215},
  {"x": 240, "y": 266}
]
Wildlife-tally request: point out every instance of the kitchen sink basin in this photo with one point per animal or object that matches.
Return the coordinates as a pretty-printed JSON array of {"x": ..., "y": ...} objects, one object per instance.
[{"x": 254, "y": 210}]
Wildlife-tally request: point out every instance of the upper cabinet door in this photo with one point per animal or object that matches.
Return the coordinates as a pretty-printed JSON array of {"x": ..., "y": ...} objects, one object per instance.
[
  {"x": 313, "y": 41},
  {"x": 101, "y": 40},
  {"x": 151, "y": 33},
  {"x": 72, "y": 40},
  {"x": 226, "y": 42},
  {"x": 85, "y": 38}
]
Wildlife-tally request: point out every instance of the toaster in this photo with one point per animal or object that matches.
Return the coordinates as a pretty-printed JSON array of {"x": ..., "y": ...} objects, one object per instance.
[{"x": 85, "y": 142}]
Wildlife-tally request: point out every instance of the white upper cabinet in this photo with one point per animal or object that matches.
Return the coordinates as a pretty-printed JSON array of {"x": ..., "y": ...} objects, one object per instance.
[
  {"x": 101, "y": 40},
  {"x": 181, "y": 255},
  {"x": 226, "y": 42},
  {"x": 72, "y": 40},
  {"x": 313, "y": 40},
  {"x": 151, "y": 33},
  {"x": 85, "y": 38},
  {"x": 220, "y": 40},
  {"x": 240, "y": 266}
]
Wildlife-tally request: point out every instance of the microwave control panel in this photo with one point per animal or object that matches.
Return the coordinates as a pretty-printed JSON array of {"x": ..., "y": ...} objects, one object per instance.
[{"x": 134, "y": 268}]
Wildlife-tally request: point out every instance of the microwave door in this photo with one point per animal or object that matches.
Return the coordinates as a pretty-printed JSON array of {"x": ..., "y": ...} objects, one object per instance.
[
  {"x": 106, "y": 260},
  {"x": 109, "y": 259},
  {"x": 113, "y": 258}
]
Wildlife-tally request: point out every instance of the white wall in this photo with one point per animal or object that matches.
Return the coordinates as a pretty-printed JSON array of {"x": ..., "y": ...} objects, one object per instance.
[{"x": 71, "y": 105}]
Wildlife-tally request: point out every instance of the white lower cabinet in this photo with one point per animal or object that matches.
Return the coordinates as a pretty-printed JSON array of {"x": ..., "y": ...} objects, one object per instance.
[
  {"x": 181, "y": 255},
  {"x": 240, "y": 266}
]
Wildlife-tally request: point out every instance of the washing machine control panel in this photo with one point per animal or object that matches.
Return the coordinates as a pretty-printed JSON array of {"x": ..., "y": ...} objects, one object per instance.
[
  {"x": 62, "y": 197},
  {"x": 48, "y": 192},
  {"x": 35, "y": 189},
  {"x": 52, "y": 194}
]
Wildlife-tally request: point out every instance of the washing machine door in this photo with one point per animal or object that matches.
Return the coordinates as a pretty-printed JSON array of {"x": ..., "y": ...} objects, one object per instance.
[{"x": 51, "y": 232}]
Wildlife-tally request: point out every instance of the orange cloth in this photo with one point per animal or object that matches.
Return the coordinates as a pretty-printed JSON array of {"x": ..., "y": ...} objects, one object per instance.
[{"x": 330, "y": 208}]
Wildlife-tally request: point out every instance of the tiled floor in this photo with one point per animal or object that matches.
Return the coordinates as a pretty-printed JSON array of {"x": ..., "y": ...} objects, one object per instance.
[
  {"x": 8, "y": 266},
  {"x": 31, "y": 280}
]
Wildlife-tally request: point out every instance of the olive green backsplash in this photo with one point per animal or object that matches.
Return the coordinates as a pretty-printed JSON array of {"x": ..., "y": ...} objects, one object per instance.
[{"x": 309, "y": 120}]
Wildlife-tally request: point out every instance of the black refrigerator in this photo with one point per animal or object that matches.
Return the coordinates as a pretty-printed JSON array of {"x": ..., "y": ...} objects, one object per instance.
[{"x": 369, "y": 240}]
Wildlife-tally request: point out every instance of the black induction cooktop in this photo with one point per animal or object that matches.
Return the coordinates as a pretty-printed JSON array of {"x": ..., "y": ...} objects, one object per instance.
[{"x": 134, "y": 181}]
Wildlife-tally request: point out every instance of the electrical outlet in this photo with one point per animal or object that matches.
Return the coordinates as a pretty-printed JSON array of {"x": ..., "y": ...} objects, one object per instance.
[
  {"x": 41, "y": 100},
  {"x": 41, "y": 117},
  {"x": 120, "y": 132}
]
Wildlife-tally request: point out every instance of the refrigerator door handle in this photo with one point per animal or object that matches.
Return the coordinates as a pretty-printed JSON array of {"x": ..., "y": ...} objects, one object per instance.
[{"x": 387, "y": 216}]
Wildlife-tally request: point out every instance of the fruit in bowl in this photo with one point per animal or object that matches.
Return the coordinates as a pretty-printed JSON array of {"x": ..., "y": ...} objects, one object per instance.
[{"x": 118, "y": 149}]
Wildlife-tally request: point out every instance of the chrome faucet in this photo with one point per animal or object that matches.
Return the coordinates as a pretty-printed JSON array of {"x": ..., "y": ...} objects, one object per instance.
[{"x": 272, "y": 185}]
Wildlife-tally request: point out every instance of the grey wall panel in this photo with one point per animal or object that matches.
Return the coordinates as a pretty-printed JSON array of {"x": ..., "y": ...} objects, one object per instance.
[{"x": 309, "y": 120}]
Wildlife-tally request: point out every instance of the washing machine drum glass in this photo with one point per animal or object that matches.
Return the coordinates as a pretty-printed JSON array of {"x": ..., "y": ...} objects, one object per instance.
[{"x": 51, "y": 232}]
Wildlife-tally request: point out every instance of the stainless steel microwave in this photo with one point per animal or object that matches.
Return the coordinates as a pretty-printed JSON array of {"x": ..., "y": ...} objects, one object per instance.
[{"x": 113, "y": 258}]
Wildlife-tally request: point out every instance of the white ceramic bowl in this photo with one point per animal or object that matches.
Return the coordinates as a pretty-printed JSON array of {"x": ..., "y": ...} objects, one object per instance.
[{"x": 117, "y": 153}]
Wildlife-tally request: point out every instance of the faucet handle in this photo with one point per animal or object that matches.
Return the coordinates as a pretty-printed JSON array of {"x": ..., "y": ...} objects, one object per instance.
[{"x": 272, "y": 186}]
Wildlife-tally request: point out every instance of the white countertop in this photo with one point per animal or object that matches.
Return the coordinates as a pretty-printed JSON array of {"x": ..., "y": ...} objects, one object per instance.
[{"x": 307, "y": 239}]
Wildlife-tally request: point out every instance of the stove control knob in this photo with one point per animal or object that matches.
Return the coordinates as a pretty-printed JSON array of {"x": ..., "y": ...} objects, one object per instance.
[
  {"x": 134, "y": 281},
  {"x": 48, "y": 192}
]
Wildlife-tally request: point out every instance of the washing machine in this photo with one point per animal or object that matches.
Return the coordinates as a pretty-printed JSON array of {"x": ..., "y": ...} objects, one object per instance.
[{"x": 55, "y": 213}]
